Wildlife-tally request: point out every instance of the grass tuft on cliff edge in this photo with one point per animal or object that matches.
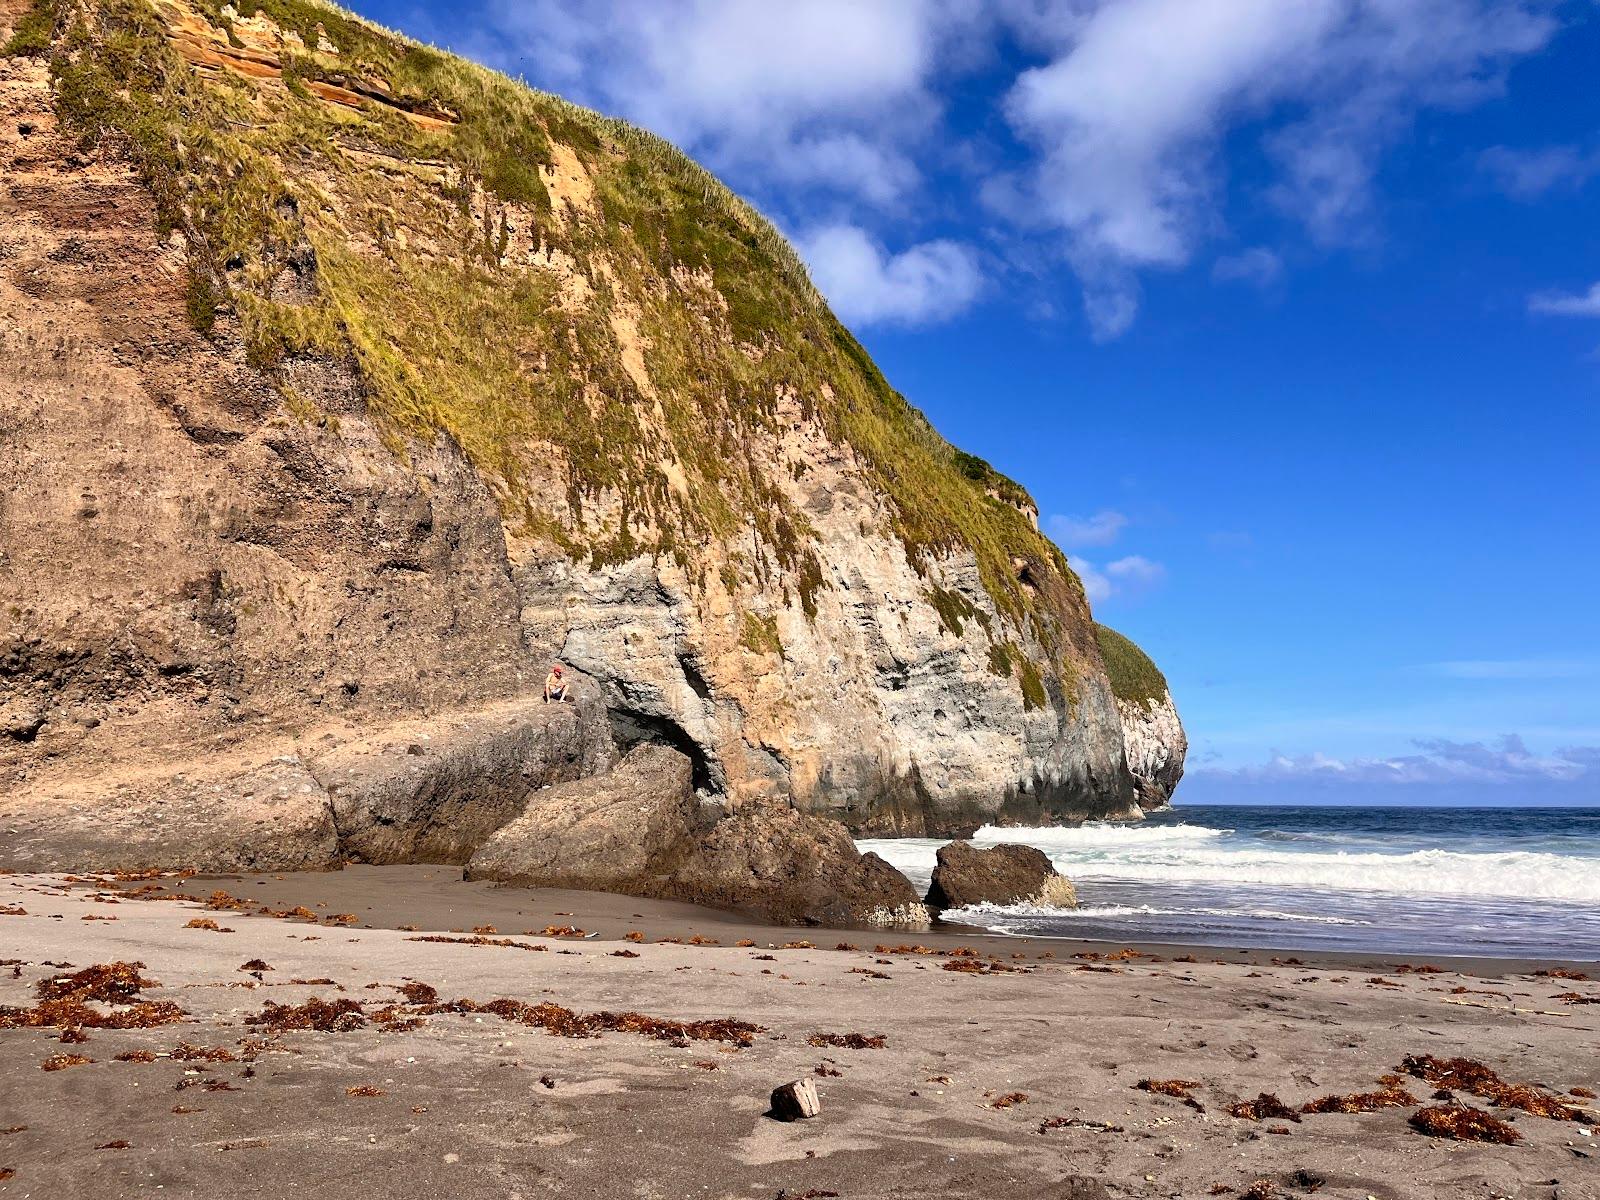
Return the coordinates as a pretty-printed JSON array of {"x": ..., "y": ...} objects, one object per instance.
[
  {"x": 1134, "y": 678},
  {"x": 609, "y": 333}
]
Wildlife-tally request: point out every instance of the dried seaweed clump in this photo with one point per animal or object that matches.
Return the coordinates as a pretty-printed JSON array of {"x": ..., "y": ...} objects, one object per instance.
[
  {"x": 1009, "y": 1100},
  {"x": 1362, "y": 1102},
  {"x": 184, "y": 1052},
  {"x": 1266, "y": 1106},
  {"x": 476, "y": 940},
  {"x": 850, "y": 1041},
  {"x": 325, "y": 1016},
  {"x": 1463, "y": 1124},
  {"x": 973, "y": 966},
  {"x": 1465, "y": 1075},
  {"x": 1178, "y": 1089},
  {"x": 60, "y": 1062},
  {"x": 364, "y": 1089},
  {"x": 64, "y": 1001}
]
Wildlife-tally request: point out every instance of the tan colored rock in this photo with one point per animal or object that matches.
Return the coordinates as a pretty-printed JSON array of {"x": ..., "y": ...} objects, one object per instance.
[
  {"x": 797, "y": 1101},
  {"x": 1001, "y": 875}
]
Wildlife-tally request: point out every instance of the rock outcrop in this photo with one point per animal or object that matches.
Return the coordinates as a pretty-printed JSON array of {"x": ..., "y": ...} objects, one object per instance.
[
  {"x": 626, "y": 831},
  {"x": 305, "y": 448},
  {"x": 1004, "y": 874},
  {"x": 640, "y": 830},
  {"x": 797, "y": 869},
  {"x": 1153, "y": 740}
]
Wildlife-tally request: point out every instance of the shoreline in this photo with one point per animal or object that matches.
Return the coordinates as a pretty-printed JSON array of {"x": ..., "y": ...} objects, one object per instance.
[
  {"x": 322, "y": 1047},
  {"x": 434, "y": 896}
]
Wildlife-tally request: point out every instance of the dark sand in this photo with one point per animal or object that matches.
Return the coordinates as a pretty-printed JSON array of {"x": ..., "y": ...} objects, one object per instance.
[{"x": 463, "y": 1112}]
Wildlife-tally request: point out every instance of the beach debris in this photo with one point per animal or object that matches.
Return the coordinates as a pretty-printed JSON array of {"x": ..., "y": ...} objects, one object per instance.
[
  {"x": 324, "y": 1016},
  {"x": 796, "y": 1101},
  {"x": 1361, "y": 1102},
  {"x": 255, "y": 966},
  {"x": 60, "y": 1062},
  {"x": 871, "y": 974},
  {"x": 559, "y": 931},
  {"x": 1266, "y": 1106},
  {"x": 624, "y": 954},
  {"x": 205, "y": 923},
  {"x": 135, "y": 1056},
  {"x": 1562, "y": 973},
  {"x": 477, "y": 939},
  {"x": 850, "y": 1041},
  {"x": 1582, "y": 1093},
  {"x": 12, "y": 910},
  {"x": 549, "y": 1081},
  {"x": 1050, "y": 1123},
  {"x": 1178, "y": 1089},
  {"x": 364, "y": 1089},
  {"x": 484, "y": 930},
  {"x": 1423, "y": 969},
  {"x": 419, "y": 993},
  {"x": 1463, "y": 1124},
  {"x": 847, "y": 946},
  {"x": 808, "y": 1194},
  {"x": 826, "y": 1070},
  {"x": 119, "y": 1144},
  {"x": 184, "y": 1052},
  {"x": 1009, "y": 1100},
  {"x": 64, "y": 1001},
  {"x": 1466, "y": 1075},
  {"x": 1260, "y": 1189},
  {"x": 7, "y": 1173},
  {"x": 1576, "y": 998}
]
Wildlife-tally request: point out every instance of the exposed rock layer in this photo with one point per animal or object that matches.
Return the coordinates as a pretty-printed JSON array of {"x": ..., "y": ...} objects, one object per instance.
[{"x": 216, "y": 559}]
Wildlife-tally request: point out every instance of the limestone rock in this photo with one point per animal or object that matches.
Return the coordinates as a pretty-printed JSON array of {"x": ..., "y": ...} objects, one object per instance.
[
  {"x": 624, "y": 831},
  {"x": 1155, "y": 745},
  {"x": 796, "y": 869},
  {"x": 435, "y": 791},
  {"x": 1004, "y": 874},
  {"x": 796, "y": 1101}
]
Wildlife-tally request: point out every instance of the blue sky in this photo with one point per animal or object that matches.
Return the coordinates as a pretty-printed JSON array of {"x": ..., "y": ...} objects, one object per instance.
[{"x": 1287, "y": 313}]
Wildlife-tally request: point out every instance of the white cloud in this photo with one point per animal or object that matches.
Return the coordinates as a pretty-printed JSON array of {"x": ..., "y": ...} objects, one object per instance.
[
  {"x": 1529, "y": 174},
  {"x": 1103, "y": 528},
  {"x": 1438, "y": 761},
  {"x": 1586, "y": 304},
  {"x": 1129, "y": 116},
  {"x": 1124, "y": 577},
  {"x": 1257, "y": 265},
  {"x": 926, "y": 283},
  {"x": 823, "y": 93}
]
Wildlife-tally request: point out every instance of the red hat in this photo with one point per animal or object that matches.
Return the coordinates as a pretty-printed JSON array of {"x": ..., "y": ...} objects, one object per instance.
[{"x": 556, "y": 670}]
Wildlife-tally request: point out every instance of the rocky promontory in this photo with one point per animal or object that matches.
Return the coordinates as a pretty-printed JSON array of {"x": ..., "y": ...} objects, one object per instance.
[{"x": 348, "y": 385}]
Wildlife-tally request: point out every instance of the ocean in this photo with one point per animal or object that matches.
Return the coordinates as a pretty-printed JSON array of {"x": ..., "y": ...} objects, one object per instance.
[{"x": 1493, "y": 882}]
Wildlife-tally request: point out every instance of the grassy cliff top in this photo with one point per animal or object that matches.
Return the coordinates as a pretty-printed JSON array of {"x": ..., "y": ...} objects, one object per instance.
[
  {"x": 569, "y": 298},
  {"x": 1134, "y": 678}
]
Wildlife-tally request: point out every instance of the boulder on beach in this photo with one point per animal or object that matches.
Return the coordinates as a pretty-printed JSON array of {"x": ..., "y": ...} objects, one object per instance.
[
  {"x": 641, "y": 830},
  {"x": 999, "y": 875},
  {"x": 623, "y": 831},
  {"x": 797, "y": 869}
]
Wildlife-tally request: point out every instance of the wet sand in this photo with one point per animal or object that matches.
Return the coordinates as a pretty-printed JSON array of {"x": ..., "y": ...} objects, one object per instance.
[{"x": 462, "y": 1110}]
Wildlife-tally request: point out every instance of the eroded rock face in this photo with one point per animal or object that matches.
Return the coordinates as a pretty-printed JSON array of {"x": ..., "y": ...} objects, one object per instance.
[
  {"x": 206, "y": 564},
  {"x": 627, "y": 830},
  {"x": 1003, "y": 874},
  {"x": 1156, "y": 745}
]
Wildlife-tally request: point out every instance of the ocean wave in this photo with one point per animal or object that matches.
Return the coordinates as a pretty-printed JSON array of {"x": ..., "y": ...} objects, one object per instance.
[
  {"x": 1191, "y": 859},
  {"x": 1096, "y": 835},
  {"x": 975, "y": 914},
  {"x": 1510, "y": 874}
]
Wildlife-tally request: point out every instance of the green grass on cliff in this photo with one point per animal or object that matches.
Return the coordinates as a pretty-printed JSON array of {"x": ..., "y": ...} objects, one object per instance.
[
  {"x": 1133, "y": 676},
  {"x": 414, "y": 235}
]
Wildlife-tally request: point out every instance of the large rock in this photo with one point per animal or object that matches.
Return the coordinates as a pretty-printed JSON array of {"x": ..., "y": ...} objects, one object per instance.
[
  {"x": 797, "y": 869},
  {"x": 1004, "y": 874},
  {"x": 640, "y": 830},
  {"x": 435, "y": 791},
  {"x": 624, "y": 831},
  {"x": 1155, "y": 744},
  {"x": 257, "y": 530}
]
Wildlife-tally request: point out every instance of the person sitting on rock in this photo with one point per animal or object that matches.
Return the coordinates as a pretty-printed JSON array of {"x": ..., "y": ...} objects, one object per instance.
[{"x": 555, "y": 685}]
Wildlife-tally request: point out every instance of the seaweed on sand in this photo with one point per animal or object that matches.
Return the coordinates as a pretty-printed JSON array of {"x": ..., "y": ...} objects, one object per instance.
[
  {"x": 849, "y": 1041},
  {"x": 1463, "y": 1124},
  {"x": 1178, "y": 1089},
  {"x": 60, "y": 1062},
  {"x": 1266, "y": 1106},
  {"x": 64, "y": 1001},
  {"x": 321, "y": 1015},
  {"x": 1361, "y": 1102},
  {"x": 1466, "y": 1075}
]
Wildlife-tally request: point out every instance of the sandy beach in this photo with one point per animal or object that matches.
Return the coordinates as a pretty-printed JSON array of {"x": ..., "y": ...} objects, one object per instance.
[{"x": 1007, "y": 1067}]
